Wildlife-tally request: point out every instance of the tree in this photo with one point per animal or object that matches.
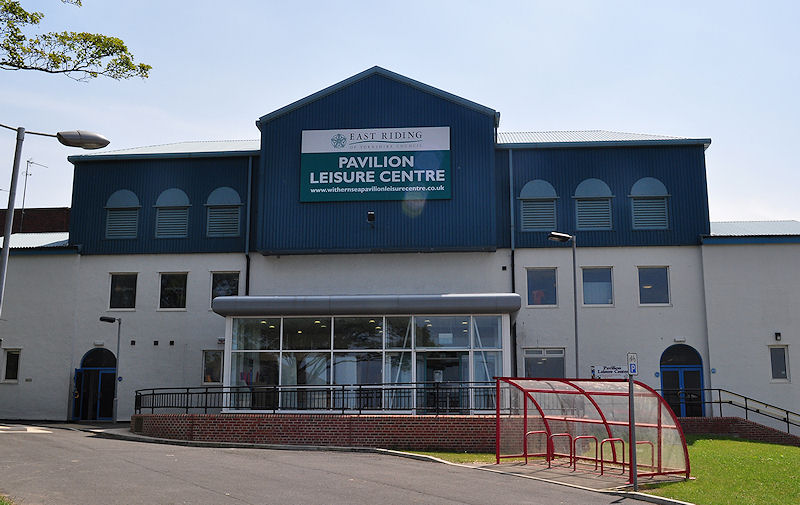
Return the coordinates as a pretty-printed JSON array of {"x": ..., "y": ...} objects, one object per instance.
[{"x": 81, "y": 56}]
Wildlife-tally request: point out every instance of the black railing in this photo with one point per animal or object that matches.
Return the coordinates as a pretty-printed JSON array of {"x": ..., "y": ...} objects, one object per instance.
[
  {"x": 721, "y": 403},
  {"x": 416, "y": 398}
]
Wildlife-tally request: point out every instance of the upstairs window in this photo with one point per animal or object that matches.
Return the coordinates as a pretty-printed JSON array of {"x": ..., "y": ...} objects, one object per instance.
[
  {"x": 172, "y": 214},
  {"x": 123, "y": 291},
  {"x": 538, "y": 206},
  {"x": 173, "y": 291},
  {"x": 649, "y": 205},
  {"x": 122, "y": 215},
  {"x": 593, "y": 205},
  {"x": 222, "y": 213}
]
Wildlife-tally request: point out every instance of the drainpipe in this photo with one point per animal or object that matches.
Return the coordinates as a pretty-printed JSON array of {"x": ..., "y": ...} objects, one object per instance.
[
  {"x": 512, "y": 215},
  {"x": 247, "y": 226}
]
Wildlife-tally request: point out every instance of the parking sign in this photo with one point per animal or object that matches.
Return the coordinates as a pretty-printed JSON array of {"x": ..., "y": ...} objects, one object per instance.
[{"x": 633, "y": 363}]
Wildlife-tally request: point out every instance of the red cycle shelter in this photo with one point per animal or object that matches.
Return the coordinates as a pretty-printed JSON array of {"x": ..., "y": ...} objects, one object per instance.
[{"x": 588, "y": 422}]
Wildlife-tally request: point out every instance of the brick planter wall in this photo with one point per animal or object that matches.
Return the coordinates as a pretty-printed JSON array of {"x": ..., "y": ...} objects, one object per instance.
[
  {"x": 453, "y": 433},
  {"x": 736, "y": 427}
]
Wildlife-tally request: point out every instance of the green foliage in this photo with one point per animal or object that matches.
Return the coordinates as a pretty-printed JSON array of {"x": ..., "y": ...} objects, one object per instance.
[{"x": 79, "y": 55}]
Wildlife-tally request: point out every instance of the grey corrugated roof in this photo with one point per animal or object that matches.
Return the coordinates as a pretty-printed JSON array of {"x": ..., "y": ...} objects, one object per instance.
[
  {"x": 589, "y": 137},
  {"x": 754, "y": 228},
  {"x": 190, "y": 149},
  {"x": 34, "y": 240}
]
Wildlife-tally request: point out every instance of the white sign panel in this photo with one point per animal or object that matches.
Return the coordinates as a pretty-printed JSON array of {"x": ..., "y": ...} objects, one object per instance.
[{"x": 633, "y": 363}]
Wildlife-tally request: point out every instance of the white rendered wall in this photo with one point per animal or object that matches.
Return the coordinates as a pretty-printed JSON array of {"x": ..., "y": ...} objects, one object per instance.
[
  {"x": 752, "y": 293},
  {"x": 37, "y": 318},
  {"x": 607, "y": 333}
]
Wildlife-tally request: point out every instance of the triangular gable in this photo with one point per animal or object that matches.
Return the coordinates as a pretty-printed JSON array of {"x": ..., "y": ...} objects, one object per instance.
[{"x": 385, "y": 73}]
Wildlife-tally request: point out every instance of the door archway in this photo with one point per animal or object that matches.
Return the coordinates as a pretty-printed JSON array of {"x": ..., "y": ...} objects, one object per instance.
[
  {"x": 93, "y": 386},
  {"x": 682, "y": 380}
]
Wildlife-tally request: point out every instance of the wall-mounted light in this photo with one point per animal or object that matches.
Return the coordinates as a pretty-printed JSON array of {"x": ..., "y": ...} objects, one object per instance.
[
  {"x": 778, "y": 336},
  {"x": 371, "y": 217}
]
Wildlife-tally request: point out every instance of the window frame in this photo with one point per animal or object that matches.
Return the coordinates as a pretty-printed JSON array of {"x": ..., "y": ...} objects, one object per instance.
[
  {"x": 212, "y": 273},
  {"x": 4, "y": 364},
  {"x": 780, "y": 380},
  {"x": 668, "y": 303},
  {"x": 527, "y": 288},
  {"x": 185, "y": 297},
  {"x": 583, "y": 286},
  {"x": 111, "y": 288},
  {"x": 543, "y": 353},
  {"x": 221, "y": 366}
]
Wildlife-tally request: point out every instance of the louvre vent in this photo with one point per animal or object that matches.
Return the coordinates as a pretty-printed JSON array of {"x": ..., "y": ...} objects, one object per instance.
[
  {"x": 538, "y": 215},
  {"x": 172, "y": 222},
  {"x": 650, "y": 214},
  {"x": 223, "y": 222},
  {"x": 594, "y": 214},
  {"x": 122, "y": 223}
]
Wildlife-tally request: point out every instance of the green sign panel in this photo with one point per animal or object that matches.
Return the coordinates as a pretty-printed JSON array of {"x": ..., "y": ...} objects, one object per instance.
[{"x": 375, "y": 164}]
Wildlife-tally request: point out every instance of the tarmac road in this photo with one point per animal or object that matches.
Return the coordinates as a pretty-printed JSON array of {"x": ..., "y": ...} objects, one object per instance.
[{"x": 64, "y": 467}]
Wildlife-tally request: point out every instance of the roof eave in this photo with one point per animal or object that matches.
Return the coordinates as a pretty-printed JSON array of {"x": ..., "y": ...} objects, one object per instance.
[
  {"x": 376, "y": 70},
  {"x": 605, "y": 143},
  {"x": 144, "y": 156}
]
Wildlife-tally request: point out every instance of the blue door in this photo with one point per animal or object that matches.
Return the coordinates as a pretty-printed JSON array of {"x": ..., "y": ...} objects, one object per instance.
[{"x": 682, "y": 380}]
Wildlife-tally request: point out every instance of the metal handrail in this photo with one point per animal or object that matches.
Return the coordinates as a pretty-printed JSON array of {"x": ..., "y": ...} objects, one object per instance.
[
  {"x": 748, "y": 404},
  {"x": 452, "y": 397}
]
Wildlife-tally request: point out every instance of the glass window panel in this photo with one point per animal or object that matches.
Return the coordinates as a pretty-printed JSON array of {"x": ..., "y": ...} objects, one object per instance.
[
  {"x": 487, "y": 365},
  {"x": 257, "y": 334},
  {"x": 542, "y": 286},
  {"x": 173, "y": 291},
  {"x": 547, "y": 364},
  {"x": 398, "y": 367},
  {"x": 358, "y": 332},
  {"x": 123, "y": 291},
  {"x": 442, "y": 331},
  {"x": 307, "y": 333},
  {"x": 443, "y": 366},
  {"x": 778, "y": 357},
  {"x": 597, "y": 288},
  {"x": 254, "y": 368},
  {"x": 486, "y": 331},
  {"x": 653, "y": 285},
  {"x": 224, "y": 284},
  {"x": 357, "y": 368},
  {"x": 12, "y": 366},
  {"x": 212, "y": 366},
  {"x": 398, "y": 332},
  {"x": 305, "y": 368}
]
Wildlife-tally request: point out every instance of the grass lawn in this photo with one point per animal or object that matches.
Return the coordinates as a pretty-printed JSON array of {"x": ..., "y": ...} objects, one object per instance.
[
  {"x": 740, "y": 472},
  {"x": 5, "y": 501},
  {"x": 727, "y": 471}
]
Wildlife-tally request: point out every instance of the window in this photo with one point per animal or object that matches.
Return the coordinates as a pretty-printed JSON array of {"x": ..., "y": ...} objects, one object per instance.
[
  {"x": 222, "y": 213},
  {"x": 224, "y": 284},
  {"x": 779, "y": 360},
  {"x": 122, "y": 215},
  {"x": 173, "y": 291},
  {"x": 593, "y": 205},
  {"x": 649, "y": 205},
  {"x": 541, "y": 286},
  {"x": 597, "y": 286},
  {"x": 123, "y": 291},
  {"x": 653, "y": 285},
  {"x": 11, "y": 365},
  {"x": 538, "y": 206},
  {"x": 172, "y": 214},
  {"x": 544, "y": 363},
  {"x": 212, "y": 367}
]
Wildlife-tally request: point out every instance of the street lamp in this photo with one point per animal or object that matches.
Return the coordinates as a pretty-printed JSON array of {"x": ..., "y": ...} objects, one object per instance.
[
  {"x": 79, "y": 138},
  {"x": 557, "y": 236},
  {"x": 113, "y": 320}
]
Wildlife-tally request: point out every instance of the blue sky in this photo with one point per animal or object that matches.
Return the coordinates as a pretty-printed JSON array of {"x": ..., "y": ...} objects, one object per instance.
[{"x": 724, "y": 70}]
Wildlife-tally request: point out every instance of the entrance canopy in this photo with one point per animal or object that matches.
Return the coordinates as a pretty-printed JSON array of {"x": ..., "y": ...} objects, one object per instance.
[{"x": 588, "y": 421}]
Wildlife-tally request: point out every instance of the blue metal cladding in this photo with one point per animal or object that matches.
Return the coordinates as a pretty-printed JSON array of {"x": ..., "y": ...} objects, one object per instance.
[
  {"x": 465, "y": 222},
  {"x": 95, "y": 181},
  {"x": 681, "y": 169}
]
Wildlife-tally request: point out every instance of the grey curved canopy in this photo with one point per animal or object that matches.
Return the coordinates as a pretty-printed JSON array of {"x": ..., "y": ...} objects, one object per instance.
[
  {"x": 649, "y": 186},
  {"x": 538, "y": 188},
  {"x": 122, "y": 199},
  {"x": 172, "y": 197},
  {"x": 593, "y": 188},
  {"x": 223, "y": 196}
]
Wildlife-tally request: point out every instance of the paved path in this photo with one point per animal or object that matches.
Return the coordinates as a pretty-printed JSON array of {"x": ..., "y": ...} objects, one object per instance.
[{"x": 69, "y": 467}]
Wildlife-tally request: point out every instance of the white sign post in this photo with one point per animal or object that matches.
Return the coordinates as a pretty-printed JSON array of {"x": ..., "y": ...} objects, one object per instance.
[{"x": 633, "y": 369}]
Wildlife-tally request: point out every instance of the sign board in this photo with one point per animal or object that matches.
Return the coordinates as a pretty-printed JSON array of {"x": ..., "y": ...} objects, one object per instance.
[
  {"x": 633, "y": 363},
  {"x": 375, "y": 164},
  {"x": 609, "y": 372}
]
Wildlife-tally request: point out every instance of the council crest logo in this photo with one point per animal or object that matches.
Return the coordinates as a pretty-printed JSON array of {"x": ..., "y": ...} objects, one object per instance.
[{"x": 338, "y": 141}]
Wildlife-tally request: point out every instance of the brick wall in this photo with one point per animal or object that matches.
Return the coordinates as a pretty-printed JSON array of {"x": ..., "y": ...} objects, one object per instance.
[
  {"x": 452, "y": 433},
  {"x": 736, "y": 427}
]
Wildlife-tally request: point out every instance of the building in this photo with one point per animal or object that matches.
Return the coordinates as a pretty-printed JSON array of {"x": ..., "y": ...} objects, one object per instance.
[{"x": 384, "y": 231}]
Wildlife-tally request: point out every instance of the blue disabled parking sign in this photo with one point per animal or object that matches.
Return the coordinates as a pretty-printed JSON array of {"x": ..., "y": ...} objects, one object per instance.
[{"x": 633, "y": 363}]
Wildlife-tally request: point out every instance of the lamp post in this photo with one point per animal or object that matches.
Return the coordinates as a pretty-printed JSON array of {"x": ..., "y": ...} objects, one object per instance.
[
  {"x": 117, "y": 320},
  {"x": 557, "y": 236},
  {"x": 78, "y": 138}
]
